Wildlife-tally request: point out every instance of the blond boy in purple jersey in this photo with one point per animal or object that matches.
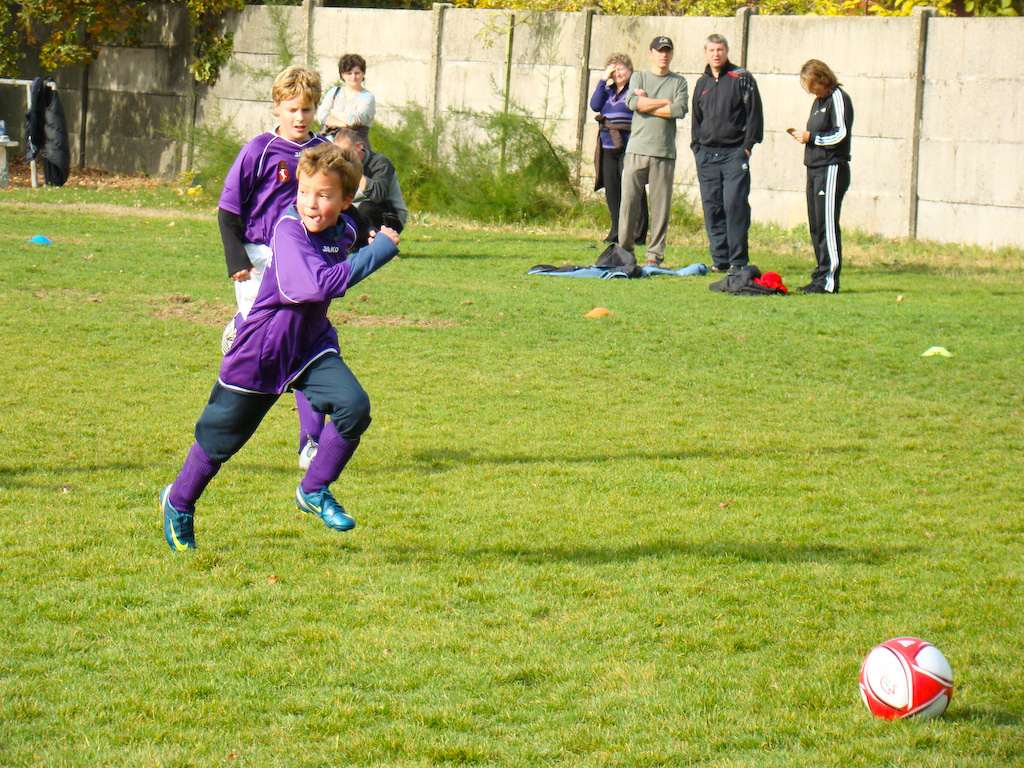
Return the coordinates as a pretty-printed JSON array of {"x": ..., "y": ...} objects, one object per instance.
[{"x": 258, "y": 189}]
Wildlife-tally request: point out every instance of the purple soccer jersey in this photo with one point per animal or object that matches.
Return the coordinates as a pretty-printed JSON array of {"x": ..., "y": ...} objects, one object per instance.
[
  {"x": 262, "y": 184},
  {"x": 287, "y": 328}
]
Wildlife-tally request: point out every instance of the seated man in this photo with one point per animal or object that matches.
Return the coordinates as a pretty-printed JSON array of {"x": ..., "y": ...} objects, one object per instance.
[{"x": 379, "y": 197}]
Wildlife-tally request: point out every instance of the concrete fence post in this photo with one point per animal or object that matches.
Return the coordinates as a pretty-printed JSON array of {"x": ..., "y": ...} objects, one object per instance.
[
  {"x": 582, "y": 107},
  {"x": 744, "y": 14},
  {"x": 310, "y": 6},
  {"x": 921, "y": 17},
  {"x": 83, "y": 113},
  {"x": 438, "y": 11},
  {"x": 507, "y": 95}
]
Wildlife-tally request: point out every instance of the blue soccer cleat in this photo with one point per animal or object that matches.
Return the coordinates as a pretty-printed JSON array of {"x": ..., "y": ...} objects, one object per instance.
[
  {"x": 177, "y": 525},
  {"x": 323, "y": 504}
]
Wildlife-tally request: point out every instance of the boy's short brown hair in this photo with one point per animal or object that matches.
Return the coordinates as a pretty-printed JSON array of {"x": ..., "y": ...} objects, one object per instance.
[
  {"x": 327, "y": 158},
  {"x": 297, "y": 82}
]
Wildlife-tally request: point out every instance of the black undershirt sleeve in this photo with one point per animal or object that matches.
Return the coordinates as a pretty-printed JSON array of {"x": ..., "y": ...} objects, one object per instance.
[{"x": 232, "y": 234}]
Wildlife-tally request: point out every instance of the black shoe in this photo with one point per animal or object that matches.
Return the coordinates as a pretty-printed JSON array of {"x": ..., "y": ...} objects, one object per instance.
[
  {"x": 812, "y": 288},
  {"x": 717, "y": 268}
]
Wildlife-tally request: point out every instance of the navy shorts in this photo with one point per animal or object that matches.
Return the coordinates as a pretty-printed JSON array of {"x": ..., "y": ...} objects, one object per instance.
[{"x": 230, "y": 418}]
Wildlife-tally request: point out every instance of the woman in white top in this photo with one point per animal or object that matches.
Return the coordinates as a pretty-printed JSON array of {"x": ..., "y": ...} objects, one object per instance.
[{"x": 349, "y": 105}]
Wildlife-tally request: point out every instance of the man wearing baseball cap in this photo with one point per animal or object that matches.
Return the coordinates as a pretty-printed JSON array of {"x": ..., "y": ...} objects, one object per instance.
[{"x": 658, "y": 98}]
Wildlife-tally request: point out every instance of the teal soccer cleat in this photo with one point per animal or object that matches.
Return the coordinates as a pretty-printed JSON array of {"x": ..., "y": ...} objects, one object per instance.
[
  {"x": 177, "y": 525},
  {"x": 323, "y": 504}
]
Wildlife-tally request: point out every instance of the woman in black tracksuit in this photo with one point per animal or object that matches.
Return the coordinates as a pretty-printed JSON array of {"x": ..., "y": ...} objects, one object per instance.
[{"x": 827, "y": 157}]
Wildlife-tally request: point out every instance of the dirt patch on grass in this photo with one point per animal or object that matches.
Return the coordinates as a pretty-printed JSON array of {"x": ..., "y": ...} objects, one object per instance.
[
  {"x": 347, "y": 318},
  {"x": 179, "y": 306},
  {"x": 86, "y": 178},
  {"x": 110, "y": 209},
  {"x": 96, "y": 179}
]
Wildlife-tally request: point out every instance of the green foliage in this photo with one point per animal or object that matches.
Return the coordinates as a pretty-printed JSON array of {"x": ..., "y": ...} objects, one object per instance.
[
  {"x": 210, "y": 50},
  {"x": 70, "y": 32},
  {"x": 768, "y": 7},
  {"x": 995, "y": 7},
  {"x": 890, "y": 8},
  {"x": 212, "y": 148},
  {"x": 490, "y": 167},
  {"x": 8, "y": 51}
]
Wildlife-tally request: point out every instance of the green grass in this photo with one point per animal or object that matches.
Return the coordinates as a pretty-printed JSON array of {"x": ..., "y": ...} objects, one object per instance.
[{"x": 664, "y": 537}]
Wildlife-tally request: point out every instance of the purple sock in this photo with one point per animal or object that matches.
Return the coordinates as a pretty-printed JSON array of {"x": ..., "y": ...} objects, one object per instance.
[
  {"x": 311, "y": 423},
  {"x": 195, "y": 475},
  {"x": 331, "y": 457}
]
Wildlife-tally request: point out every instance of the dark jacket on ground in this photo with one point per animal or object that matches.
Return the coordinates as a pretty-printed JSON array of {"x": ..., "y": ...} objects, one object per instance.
[
  {"x": 727, "y": 111},
  {"x": 745, "y": 283}
]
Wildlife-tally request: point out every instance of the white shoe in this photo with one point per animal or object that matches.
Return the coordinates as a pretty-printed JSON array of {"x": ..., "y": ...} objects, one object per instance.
[
  {"x": 307, "y": 453},
  {"x": 228, "y": 337}
]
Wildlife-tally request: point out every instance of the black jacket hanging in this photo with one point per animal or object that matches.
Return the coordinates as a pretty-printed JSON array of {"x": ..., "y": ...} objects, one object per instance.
[{"x": 46, "y": 132}]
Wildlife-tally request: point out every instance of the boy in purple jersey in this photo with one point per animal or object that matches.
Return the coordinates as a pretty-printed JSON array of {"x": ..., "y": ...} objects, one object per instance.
[
  {"x": 287, "y": 343},
  {"x": 258, "y": 189}
]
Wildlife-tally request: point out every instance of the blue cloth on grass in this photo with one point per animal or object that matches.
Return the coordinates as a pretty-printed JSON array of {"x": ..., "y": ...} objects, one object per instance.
[{"x": 606, "y": 274}]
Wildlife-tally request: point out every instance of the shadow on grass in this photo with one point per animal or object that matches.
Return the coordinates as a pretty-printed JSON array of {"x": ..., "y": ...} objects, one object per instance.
[
  {"x": 754, "y": 552},
  {"x": 446, "y": 460},
  {"x": 1001, "y": 717}
]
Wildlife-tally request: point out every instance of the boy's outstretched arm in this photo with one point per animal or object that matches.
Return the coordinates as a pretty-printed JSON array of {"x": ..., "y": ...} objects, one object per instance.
[
  {"x": 372, "y": 257},
  {"x": 304, "y": 276}
]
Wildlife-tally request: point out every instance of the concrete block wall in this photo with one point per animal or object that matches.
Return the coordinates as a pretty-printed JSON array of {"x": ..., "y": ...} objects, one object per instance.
[
  {"x": 937, "y": 150},
  {"x": 545, "y": 77},
  {"x": 132, "y": 92},
  {"x": 472, "y": 63},
  {"x": 971, "y": 178},
  {"x": 242, "y": 94},
  {"x": 399, "y": 48},
  {"x": 883, "y": 90}
]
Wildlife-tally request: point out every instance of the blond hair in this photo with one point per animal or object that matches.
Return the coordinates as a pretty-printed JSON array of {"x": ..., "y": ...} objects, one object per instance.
[
  {"x": 297, "y": 83},
  {"x": 326, "y": 158}
]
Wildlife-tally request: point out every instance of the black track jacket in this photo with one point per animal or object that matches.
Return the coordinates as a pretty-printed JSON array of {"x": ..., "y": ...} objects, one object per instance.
[
  {"x": 727, "y": 111},
  {"x": 830, "y": 125}
]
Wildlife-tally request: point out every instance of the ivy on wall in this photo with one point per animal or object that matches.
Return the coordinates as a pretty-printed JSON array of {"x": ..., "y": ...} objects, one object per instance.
[{"x": 70, "y": 32}]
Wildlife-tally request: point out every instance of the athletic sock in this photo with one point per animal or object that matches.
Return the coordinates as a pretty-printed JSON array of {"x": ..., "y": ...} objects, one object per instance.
[
  {"x": 311, "y": 423},
  {"x": 332, "y": 455},
  {"x": 195, "y": 475}
]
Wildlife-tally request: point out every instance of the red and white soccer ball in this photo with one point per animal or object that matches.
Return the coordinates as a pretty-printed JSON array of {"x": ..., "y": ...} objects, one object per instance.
[{"x": 906, "y": 677}]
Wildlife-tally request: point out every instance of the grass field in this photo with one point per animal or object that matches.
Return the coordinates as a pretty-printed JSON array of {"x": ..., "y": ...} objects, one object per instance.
[{"x": 665, "y": 537}]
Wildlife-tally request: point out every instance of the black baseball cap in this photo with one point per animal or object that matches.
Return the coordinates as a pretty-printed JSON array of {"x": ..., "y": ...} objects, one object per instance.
[{"x": 661, "y": 42}]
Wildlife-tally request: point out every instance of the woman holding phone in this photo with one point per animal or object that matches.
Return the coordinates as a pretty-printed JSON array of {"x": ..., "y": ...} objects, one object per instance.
[{"x": 827, "y": 157}]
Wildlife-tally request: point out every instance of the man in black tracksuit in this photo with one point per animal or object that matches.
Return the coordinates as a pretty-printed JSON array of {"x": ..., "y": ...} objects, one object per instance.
[{"x": 726, "y": 124}]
